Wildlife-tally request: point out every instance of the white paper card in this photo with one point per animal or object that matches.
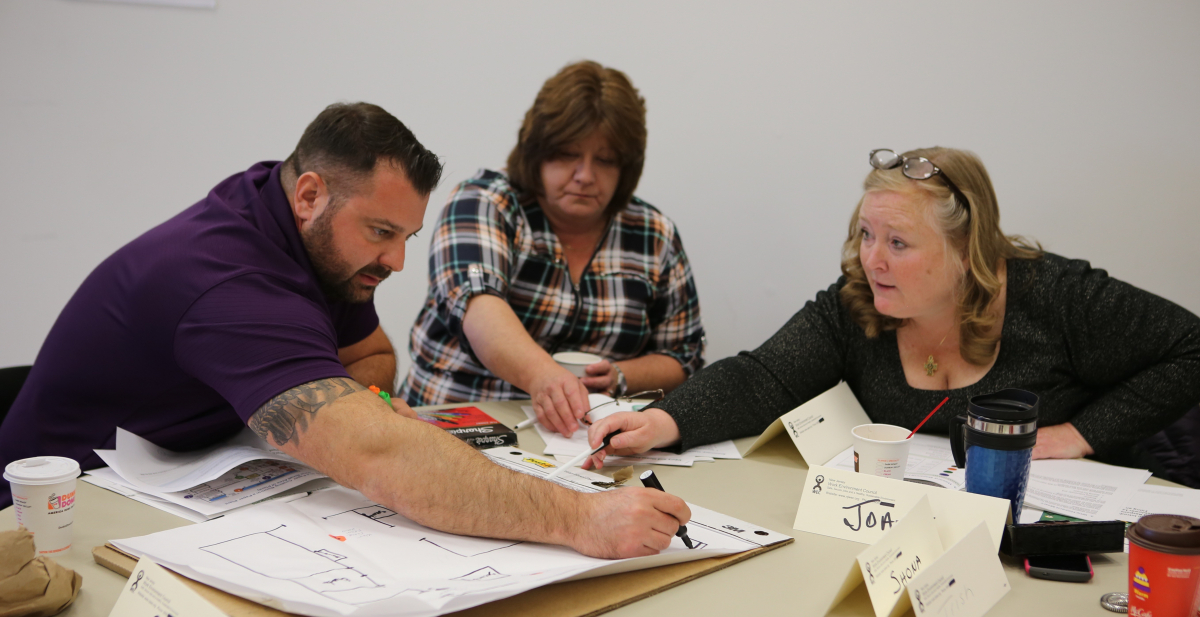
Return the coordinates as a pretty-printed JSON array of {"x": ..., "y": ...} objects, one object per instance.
[
  {"x": 821, "y": 427},
  {"x": 966, "y": 581},
  {"x": 861, "y": 507},
  {"x": 889, "y": 565},
  {"x": 151, "y": 591}
]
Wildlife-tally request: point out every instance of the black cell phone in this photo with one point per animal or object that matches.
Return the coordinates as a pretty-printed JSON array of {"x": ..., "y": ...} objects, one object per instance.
[{"x": 1069, "y": 568}]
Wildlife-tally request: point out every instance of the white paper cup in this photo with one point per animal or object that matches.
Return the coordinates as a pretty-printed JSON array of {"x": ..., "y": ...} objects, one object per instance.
[
  {"x": 576, "y": 361},
  {"x": 881, "y": 450},
  {"x": 43, "y": 491}
]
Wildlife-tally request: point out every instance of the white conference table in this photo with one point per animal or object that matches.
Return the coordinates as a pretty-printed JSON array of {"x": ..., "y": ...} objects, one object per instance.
[{"x": 765, "y": 489}]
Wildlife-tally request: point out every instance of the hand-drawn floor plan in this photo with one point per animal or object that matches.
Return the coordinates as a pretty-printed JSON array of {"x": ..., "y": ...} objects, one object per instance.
[{"x": 338, "y": 553}]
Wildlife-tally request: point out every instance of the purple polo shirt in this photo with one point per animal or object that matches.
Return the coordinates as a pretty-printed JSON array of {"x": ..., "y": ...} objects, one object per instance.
[{"x": 182, "y": 334}]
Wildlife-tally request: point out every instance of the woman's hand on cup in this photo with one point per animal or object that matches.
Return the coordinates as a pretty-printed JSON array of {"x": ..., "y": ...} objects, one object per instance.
[
  {"x": 559, "y": 400},
  {"x": 640, "y": 431},
  {"x": 600, "y": 377},
  {"x": 1061, "y": 441}
]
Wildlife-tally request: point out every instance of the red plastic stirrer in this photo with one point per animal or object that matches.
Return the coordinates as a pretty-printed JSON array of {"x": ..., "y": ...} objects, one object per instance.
[{"x": 914, "y": 431}]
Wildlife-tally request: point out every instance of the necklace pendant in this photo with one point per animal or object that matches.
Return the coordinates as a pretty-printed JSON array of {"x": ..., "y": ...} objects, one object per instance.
[{"x": 930, "y": 366}]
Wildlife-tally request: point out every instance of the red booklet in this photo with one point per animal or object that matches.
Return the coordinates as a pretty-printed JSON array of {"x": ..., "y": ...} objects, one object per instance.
[{"x": 471, "y": 425}]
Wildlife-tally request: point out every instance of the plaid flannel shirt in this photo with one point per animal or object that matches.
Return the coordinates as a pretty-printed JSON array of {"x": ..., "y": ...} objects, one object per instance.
[{"x": 635, "y": 297}]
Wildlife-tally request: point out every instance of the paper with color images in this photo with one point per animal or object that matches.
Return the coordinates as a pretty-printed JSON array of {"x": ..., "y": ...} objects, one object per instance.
[
  {"x": 1083, "y": 489},
  {"x": 151, "y": 468},
  {"x": 151, "y": 591},
  {"x": 888, "y": 566},
  {"x": 861, "y": 507},
  {"x": 966, "y": 581},
  {"x": 246, "y": 484},
  {"x": 242, "y": 485},
  {"x": 337, "y": 552},
  {"x": 821, "y": 427},
  {"x": 930, "y": 461}
]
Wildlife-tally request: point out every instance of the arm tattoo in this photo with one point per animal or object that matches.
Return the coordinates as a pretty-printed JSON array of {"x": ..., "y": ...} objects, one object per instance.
[{"x": 287, "y": 415}]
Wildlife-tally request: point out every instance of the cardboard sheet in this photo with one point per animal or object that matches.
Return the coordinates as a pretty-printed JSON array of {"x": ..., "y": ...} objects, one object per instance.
[{"x": 584, "y": 598}]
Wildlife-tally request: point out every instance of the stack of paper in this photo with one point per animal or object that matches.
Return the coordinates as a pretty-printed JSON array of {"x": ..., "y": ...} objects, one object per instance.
[
  {"x": 202, "y": 484},
  {"x": 1082, "y": 489},
  {"x": 564, "y": 448}
]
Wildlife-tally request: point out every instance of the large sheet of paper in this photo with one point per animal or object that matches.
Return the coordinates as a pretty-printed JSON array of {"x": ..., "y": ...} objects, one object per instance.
[
  {"x": 1082, "y": 489},
  {"x": 930, "y": 461},
  {"x": 151, "y": 468},
  {"x": 821, "y": 427},
  {"x": 339, "y": 553},
  {"x": 861, "y": 507}
]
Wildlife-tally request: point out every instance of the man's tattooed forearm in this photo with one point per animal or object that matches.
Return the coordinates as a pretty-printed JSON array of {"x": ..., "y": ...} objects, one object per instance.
[{"x": 287, "y": 415}]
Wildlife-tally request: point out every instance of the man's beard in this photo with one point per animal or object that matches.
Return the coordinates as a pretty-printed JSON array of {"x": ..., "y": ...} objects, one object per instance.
[{"x": 336, "y": 278}]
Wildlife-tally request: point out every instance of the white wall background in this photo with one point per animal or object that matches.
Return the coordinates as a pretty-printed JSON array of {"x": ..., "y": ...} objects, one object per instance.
[{"x": 114, "y": 117}]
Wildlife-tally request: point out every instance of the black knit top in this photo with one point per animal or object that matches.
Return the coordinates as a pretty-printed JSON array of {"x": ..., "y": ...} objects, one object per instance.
[{"x": 1117, "y": 362}]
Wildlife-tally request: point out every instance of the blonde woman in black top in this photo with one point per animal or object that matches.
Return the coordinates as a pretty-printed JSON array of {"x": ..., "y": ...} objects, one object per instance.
[{"x": 936, "y": 301}]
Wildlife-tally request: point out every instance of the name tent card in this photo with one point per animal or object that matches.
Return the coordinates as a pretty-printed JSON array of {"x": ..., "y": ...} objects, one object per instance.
[
  {"x": 862, "y": 508},
  {"x": 152, "y": 591},
  {"x": 888, "y": 566},
  {"x": 821, "y": 427},
  {"x": 966, "y": 581}
]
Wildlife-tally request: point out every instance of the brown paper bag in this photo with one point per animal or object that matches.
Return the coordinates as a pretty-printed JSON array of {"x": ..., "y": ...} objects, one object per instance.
[{"x": 32, "y": 586}]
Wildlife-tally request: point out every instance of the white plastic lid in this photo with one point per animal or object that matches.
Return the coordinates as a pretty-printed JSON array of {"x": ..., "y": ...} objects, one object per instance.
[
  {"x": 41, "y": 470},
  {"x": 576, "y": 357}
]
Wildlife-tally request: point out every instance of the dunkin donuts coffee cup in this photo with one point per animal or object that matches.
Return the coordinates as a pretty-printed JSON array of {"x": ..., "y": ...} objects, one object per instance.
[
  {"x": 1164, "y": 566},
  {"x": 43, "y": 491}
]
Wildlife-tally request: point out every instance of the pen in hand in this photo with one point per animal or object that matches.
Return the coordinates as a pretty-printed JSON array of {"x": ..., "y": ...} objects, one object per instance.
[{"x": 649, "y": 480}]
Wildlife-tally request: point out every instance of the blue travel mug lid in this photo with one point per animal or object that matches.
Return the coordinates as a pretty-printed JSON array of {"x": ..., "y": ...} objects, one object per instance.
[{"x": 1011, "y": 405}]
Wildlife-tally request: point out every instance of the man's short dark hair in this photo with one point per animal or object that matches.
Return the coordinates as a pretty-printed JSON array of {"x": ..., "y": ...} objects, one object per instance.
[{"x": 346, "y": 140}]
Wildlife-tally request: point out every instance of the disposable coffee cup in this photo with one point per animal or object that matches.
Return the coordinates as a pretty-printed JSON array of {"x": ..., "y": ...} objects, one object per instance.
[
  {"x": 1164, "y": 566},
  {"x": 881, "y": 450},
  {"x": 43, "y": 491},
  {"x": 576, "y": 361}
]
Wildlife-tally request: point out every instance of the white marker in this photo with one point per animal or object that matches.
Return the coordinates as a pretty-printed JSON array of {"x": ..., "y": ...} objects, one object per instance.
[{"x": 582, "y": 456}]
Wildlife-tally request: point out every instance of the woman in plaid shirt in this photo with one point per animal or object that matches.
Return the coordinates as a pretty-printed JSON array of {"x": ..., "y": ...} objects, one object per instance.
[{"x": 558, "y": 255}]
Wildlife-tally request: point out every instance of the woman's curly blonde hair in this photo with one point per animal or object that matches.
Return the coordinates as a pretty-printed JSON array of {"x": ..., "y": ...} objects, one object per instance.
[{"x": 971, "y": 229}]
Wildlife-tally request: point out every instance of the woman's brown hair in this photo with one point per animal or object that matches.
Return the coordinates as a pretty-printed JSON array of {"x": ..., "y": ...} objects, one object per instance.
[
  {"x": 970, "y": 229},
  {"x": 580, "y": 99}
]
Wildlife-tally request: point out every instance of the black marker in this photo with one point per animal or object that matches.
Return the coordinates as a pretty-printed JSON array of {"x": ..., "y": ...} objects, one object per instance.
[{"x": 649, "y": 480}]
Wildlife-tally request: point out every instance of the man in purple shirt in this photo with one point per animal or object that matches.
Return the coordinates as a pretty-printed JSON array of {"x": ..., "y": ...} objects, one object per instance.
[{"x": 254, "y": 306}]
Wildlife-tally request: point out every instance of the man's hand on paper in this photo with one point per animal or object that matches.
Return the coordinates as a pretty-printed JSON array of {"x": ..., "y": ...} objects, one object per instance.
[
  {"x": 628, "y": 522},
  {"x": 1061, "y": 441},
  {"x": 559, "y": 399},
  {"x": 640, "y": 431}
]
